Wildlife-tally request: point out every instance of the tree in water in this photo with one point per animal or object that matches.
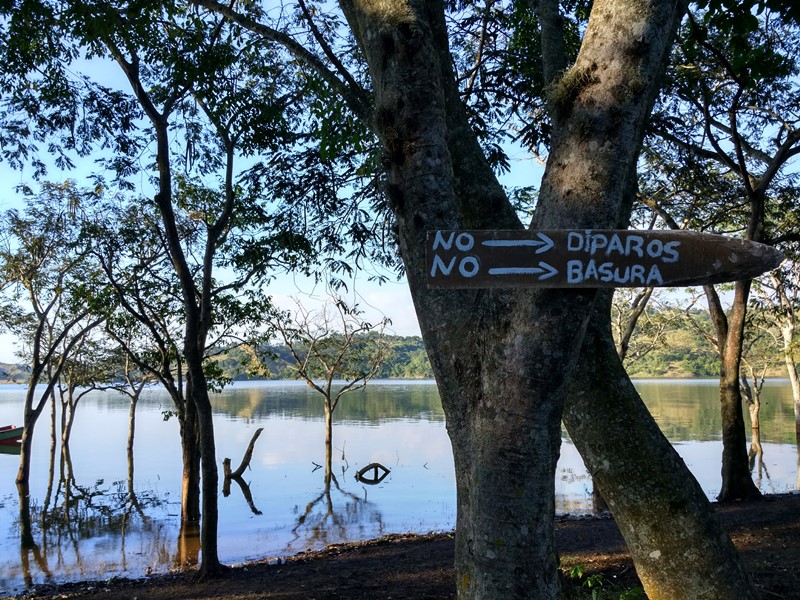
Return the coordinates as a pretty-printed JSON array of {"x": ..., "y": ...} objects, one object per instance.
[
  {"x": 724, "y": 138},
  {"x": 330, "y": 344},
  {"x": 46, "y": 266}
]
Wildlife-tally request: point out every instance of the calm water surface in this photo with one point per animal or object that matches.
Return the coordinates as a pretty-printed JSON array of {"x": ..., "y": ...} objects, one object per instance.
[{"x": 104, "y": 530}]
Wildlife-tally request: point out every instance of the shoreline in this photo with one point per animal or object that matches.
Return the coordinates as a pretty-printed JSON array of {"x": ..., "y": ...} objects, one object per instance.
[{"x": 406, "y": 566}]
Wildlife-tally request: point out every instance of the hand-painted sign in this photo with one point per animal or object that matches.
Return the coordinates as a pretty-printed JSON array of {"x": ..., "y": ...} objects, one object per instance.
[{"x": 588, "y": 258}]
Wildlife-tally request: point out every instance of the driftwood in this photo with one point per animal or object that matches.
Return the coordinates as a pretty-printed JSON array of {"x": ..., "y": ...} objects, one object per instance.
[{"x": 237, "y": 474}]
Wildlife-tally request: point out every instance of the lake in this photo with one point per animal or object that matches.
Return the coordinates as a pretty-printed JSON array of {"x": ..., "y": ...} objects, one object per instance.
[{"x": 103, "y": 531}]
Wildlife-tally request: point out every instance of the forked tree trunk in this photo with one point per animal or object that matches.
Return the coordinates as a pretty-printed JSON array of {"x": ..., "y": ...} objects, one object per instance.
[
  {"x": 503, "y": 359},
  {"x": 210, "y": 564},
  {"x": 676, "y": 541}
]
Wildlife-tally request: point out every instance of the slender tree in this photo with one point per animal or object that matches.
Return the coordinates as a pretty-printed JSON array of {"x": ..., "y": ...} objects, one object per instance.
[
  {"x": 333, "y": 343},
  {"x": 727, "y": 126},
  {"x": 46, "y": 265}
]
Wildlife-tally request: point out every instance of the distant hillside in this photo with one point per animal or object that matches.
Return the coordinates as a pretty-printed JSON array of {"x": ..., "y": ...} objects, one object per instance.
[
  {"x": 407, "y": 360},
  {"x": 10, "y": 373}
]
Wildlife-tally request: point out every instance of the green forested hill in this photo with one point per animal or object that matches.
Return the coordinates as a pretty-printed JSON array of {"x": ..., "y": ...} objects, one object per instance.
[
  {"x": 407, "y": 360},
  {"x": 680, "y": 349},
  {"x": 675, "y": 342},
  {"x": 11, "y": 373}
]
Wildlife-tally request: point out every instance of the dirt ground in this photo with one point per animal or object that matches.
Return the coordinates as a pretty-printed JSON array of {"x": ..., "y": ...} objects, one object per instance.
[{"x": 767, "y": 533}]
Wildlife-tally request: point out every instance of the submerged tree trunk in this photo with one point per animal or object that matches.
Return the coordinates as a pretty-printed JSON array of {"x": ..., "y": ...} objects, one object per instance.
[
  {"x": 129, "y": 446},
  {"x": 752, "y": 396},
  {"x": 674, "y": 538},
  {"x": 31, "y": 413},
  {"x": 51, "y": 472},
  {"x": 24, "y": 491},
  {"x": 787, "y": 334},
  {"x": 190, "y": 453},
  {"x": 756, "y": 457},
  {"x": 209, "y": 483},
  {"x": 737, "y": 484},
  {"x": 328, "y": 426}
]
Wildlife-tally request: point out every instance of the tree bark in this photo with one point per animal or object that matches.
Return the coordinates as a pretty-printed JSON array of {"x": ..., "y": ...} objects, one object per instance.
[
  {"x": 328, "y": 410},
  {"x": 190, "y": 455},
  {"x": 210, "y": 564},
  {"x": 674, "y": 537},
  {"x": 503, "y": 359}
]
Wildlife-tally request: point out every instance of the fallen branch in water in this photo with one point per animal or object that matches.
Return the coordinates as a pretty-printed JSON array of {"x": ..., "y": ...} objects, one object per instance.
[{"x": 237, "y": 474}]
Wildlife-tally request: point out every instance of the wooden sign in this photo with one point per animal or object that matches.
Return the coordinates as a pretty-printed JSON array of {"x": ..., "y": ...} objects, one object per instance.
[{"x": 588, "y": 258}]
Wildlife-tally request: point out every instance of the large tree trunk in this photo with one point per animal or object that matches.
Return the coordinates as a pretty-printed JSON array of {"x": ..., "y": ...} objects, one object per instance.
[
  {"x": 503, "y": 359},
  {"x": 737, "y": 483},
  {"x": 673, "y": 535},
  {"x": 193, "y": 350},
  {"x": 210, "y": 564}
]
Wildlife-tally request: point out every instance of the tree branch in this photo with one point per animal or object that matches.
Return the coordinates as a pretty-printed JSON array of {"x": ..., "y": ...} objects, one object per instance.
[{"x": 354, "y": 95}]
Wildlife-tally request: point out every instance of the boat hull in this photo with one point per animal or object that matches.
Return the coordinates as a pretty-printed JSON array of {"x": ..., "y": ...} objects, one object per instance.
[{"x": 10, "y": 436}]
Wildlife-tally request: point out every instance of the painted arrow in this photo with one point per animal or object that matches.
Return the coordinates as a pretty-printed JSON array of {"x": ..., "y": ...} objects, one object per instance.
[
  {"x": 543, "y": 244},
  {"x": 546, "y": 271}
]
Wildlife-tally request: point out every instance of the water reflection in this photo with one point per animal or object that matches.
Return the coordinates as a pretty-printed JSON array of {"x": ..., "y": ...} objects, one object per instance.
[
  {"x": 188, "y": 553},
  {"x": 77, "y": 517},
  {"x": 229, "y": 475},
  {"x": 25, "y": 555},
  {"x": 98, "y": 517},
  {"x": 332, "y": 515},
  {"x": 755, "y": 456}
]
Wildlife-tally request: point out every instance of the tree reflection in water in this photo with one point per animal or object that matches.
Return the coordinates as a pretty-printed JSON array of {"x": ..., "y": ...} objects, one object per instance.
[
  {"x": 73, "y": 512},
  {"x": 188, "y": 553},
  {"x": 755, "y": 455},
  {"x": 335, "y": 514}
]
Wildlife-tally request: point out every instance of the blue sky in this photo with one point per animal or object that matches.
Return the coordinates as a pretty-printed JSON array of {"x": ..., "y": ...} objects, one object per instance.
[{"x": 391, "y": 299}]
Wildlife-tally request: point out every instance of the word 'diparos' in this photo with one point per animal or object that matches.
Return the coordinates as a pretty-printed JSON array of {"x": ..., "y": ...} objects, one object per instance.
[{"x": 622, "y": 245}]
